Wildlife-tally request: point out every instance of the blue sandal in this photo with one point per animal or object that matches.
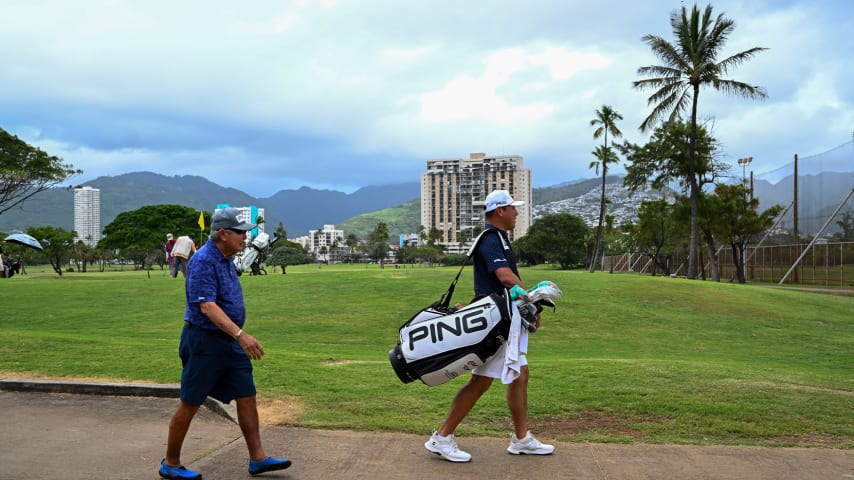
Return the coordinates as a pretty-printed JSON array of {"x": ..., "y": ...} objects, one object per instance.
[
  {"x": 269, "y": 464},
  {"x": 177, "y": 473}
]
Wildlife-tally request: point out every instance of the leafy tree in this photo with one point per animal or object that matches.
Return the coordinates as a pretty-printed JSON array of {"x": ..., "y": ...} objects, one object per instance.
[
  {"x": 740, "y": 222},
  {"x": 352, "y": 243},
  {"x": 83, "y": 254},
  {"x": 139, "y": 234},
  {"x": 653, "y": 234},
  {"x": 280, "y": 231},
  {"x": 413, "y": 254},
  {"x": 664, "y": 158},
  {"x": 557, "y": 238},
  {"x": 462, "y": 238},
  {"x": 709, "y": 223},
  {"x": 26, "y": 170},
  {"x": 378, "y": 243},
  {"x": 688, "y": 64},
  {"x": 606, "y": 119},
  {"x": 526, "y": 251},
  {"x": 57, "y": 243},
  {"x": 454, "y": 260},
  {"x": 609, "y": 236},
  {"x": 433, "y": 236},
  {"x": 103, "y": 256},
  {"x": 288, "y": 253}
]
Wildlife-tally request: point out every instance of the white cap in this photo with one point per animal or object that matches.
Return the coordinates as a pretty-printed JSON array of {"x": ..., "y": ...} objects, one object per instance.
[{"x": 501, "y": 198}]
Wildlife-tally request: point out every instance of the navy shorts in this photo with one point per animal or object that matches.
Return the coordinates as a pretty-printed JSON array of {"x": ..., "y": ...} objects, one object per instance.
[{"x": 214, "y": 365}]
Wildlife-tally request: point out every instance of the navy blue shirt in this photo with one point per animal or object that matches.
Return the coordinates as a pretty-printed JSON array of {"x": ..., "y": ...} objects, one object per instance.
[
  {"x": 492, "y": 253},
  {"x": 212, "y": 277}
]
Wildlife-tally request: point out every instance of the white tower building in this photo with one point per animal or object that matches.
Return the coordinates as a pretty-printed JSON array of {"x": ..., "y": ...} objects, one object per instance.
[{"x": 87, "y": 215}]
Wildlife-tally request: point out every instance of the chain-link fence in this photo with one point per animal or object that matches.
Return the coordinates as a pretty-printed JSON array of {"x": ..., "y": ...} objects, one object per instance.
[
  {"x": 827, "y": 264},
  {"x": 816, "y": 232}
]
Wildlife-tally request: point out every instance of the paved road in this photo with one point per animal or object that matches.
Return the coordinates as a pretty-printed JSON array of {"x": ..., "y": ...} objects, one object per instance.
[{"x": 46, "y": 435}]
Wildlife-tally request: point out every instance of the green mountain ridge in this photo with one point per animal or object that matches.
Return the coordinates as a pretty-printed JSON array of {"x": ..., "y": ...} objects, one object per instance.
[
  {"x": 301, "y": 210},
  {"x": 400, "y": 219}
]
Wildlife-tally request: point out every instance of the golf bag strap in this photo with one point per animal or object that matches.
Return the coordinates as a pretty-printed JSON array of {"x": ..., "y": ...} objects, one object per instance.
[{"x": 445, "y": 299}]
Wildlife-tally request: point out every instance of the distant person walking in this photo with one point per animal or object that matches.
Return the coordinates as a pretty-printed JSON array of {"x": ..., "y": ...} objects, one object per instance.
[
  {"x": 168, "y": 246},
  {"x": 214, "y": 349},
  {"x": 184, "y": 245}
]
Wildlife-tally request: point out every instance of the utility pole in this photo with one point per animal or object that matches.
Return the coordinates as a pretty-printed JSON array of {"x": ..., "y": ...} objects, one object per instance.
[{"x": 795, "y": 217}]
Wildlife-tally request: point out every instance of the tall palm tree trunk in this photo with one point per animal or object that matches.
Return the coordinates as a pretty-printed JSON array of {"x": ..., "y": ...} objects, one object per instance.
[
  {"x": 597, "y": 245},
  {"x": 692, "y": 180}
]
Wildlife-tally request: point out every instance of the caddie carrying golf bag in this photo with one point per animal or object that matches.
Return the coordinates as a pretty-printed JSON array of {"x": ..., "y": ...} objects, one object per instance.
[{"x": 440, "y": 343}]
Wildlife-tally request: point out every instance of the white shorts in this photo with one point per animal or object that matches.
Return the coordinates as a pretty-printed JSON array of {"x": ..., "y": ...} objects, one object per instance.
[{"x": 494, "y": 365}]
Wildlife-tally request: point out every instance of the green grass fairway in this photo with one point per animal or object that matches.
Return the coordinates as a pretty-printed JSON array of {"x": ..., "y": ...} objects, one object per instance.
[{"x": 624, "y": 358}]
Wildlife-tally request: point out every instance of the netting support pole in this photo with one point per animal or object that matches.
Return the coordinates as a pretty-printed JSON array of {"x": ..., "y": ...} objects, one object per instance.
[{"x": 817, "y": 235}]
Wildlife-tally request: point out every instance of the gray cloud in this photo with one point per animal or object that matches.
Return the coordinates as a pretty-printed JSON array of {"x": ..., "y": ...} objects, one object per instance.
[{"x": 343, "y": 94}]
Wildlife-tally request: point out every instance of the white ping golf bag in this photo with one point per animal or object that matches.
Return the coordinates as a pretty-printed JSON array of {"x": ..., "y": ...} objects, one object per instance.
[{"x": 439, "y": 344}]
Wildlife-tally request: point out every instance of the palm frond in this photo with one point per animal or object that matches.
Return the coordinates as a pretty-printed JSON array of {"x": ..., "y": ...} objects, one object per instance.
[
  {"x": 734, "y": 60},
  {"x": 691, "y": 62},
  {"x": 740, "y": 88}
]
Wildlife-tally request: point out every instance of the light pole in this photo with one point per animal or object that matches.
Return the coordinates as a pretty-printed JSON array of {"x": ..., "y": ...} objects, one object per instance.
[{"x": 744, "y": 162}]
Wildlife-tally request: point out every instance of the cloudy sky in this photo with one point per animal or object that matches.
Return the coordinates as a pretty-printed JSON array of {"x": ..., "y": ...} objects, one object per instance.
[{"x": 263, "y": 95}]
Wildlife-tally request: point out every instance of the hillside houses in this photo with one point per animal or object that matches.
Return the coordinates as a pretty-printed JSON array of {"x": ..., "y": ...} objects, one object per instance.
[{"x": 623, "y": 206}]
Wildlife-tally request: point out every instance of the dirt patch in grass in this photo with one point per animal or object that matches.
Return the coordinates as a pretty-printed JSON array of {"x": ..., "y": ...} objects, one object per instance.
[{"x": 278, "y": 411}]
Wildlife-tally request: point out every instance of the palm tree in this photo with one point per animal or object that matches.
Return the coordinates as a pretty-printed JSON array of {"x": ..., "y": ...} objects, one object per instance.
[
  {"x": 604, "y": 156},
  {"x": 606, "y": 118},
  {"x": 352, "y": 242},
  {"x": 688, "y": 64}
]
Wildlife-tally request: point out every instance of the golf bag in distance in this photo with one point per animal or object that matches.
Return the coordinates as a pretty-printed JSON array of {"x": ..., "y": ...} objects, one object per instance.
[
  {"x": 253, "y": 254},
  {"x": 439, "y": 344}
]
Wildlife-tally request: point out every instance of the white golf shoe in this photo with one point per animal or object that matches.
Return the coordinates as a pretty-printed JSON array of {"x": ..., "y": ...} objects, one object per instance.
[
  {"x": 529, "y": 446},
  {"x": 446, "y": 448}
]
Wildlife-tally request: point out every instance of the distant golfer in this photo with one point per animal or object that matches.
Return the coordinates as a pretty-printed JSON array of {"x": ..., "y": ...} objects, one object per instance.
[
  {"x": 180, "y": 253},
  {"x": 494, "y": 270},
  {"x": 214, "y": 349}
]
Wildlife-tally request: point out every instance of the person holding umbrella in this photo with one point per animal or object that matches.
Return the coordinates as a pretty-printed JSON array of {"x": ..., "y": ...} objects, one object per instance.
[
  {"x": 20, "y": 239},
  {"x": 25, "y": 240}
]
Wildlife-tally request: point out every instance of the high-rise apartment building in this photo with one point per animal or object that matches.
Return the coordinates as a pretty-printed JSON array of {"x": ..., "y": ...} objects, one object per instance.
[
  {"x": 326, "y": 243},
  {"x": 453, "y": 192},
  {"x": 87, "y": 215}
]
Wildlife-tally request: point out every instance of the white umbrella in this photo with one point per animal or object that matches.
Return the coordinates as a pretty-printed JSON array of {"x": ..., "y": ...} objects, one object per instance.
[{"x": 25, "y": 240}]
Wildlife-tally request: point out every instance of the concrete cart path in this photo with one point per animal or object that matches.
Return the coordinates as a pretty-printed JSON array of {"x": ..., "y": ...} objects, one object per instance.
[{"x": 82, "y": 436}]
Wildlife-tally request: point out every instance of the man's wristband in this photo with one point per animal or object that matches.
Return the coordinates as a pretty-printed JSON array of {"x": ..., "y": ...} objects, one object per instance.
[{"x": 239, "y": 332}]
